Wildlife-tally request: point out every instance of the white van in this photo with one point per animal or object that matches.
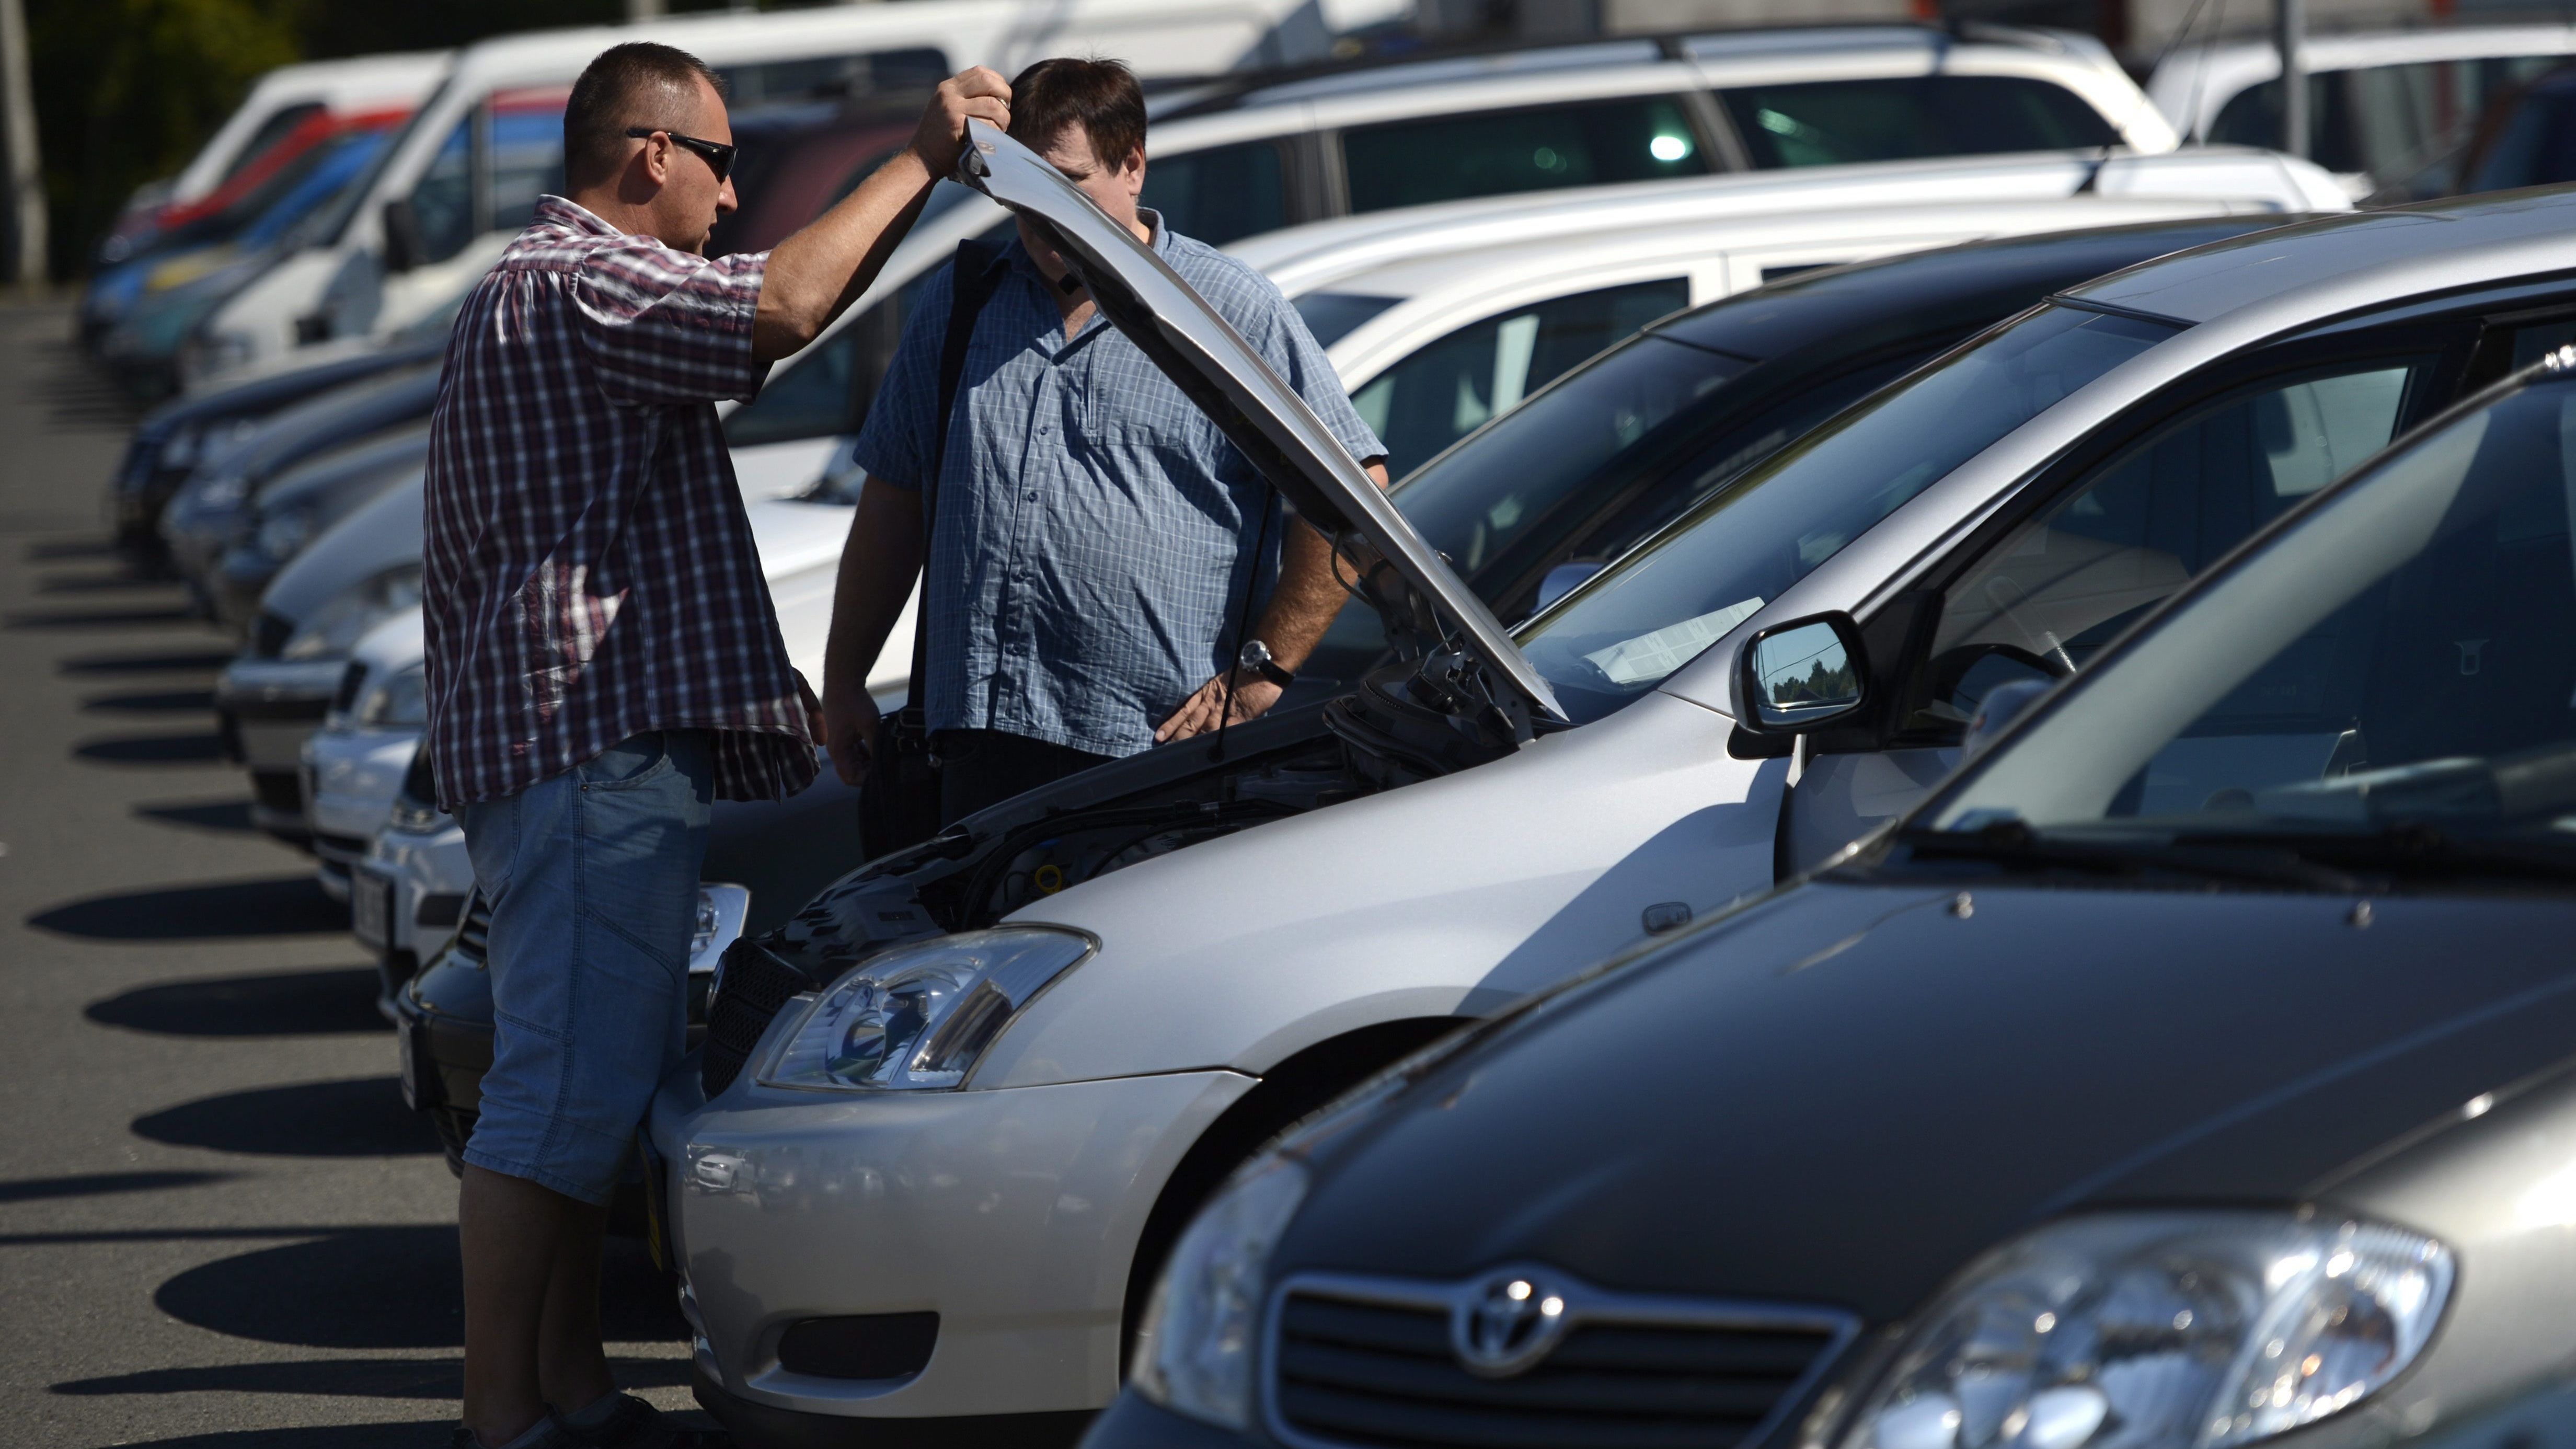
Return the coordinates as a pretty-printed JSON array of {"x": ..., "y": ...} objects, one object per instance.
[
  {"x": 288, "y": 95},
  {"x": 465, "y": 174},
  {"x": 2381, "y": 104}
]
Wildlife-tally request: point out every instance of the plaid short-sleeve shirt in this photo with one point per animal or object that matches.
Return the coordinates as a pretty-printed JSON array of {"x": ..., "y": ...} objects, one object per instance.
[
  {"x": 590, "y": 573},
  {"x": 1094, "y": 529}
]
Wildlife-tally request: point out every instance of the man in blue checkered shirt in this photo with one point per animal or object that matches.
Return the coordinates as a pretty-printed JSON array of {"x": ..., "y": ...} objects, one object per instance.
[{"x": 1095, "y": 532}]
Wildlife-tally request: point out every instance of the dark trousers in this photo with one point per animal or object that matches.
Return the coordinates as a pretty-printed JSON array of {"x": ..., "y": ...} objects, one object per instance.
[{"x": 978, "y": 768}]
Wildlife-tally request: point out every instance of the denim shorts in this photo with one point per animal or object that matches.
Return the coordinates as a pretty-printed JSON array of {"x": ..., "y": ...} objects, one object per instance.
[{"x": 592, "y": 878}]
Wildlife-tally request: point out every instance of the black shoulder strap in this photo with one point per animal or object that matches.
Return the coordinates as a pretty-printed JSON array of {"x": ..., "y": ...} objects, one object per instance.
[{"x": 971, "y": 284}]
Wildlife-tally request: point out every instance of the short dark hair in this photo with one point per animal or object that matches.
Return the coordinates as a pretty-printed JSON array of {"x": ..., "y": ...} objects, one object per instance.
[
  {"x": 635, "y": 84},
  {"x": 1101, "y": 94}
]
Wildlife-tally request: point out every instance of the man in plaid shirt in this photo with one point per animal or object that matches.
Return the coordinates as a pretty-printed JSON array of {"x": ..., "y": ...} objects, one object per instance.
[{"x": 603, "y": 662}]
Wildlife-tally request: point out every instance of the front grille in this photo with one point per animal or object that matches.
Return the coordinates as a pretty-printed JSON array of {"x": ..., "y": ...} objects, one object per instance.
[
  {"x": 438, "y": 911},
  {"x": 352, "y": 680},
  {"x": 473, "y": 931},
  {"x": 756, "y": 985},
  {"x": 1630, "y": 1373},
  {"x": 279, "y": 790}
]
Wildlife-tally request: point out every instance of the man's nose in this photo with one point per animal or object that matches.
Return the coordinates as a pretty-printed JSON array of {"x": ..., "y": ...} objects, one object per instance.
[{"x": 726, "y": 202}]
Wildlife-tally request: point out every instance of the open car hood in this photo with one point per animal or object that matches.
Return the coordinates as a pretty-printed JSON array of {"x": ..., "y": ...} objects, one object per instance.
[{"x": 1260, "y": 414}]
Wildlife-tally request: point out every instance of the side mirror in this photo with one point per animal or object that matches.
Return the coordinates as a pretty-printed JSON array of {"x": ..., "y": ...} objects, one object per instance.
[
  {"x": 1795, "y": 676},
  {"x": 1564, "y": 579},
  {"x": 402, "y": 235}
]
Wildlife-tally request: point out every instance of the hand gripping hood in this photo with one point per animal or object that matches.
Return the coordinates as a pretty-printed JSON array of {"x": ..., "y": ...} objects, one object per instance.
[{"x": 1260, "y": 414}]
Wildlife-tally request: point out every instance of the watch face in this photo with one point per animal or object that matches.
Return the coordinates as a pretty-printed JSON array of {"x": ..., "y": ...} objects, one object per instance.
[{"x": 1255, "y": 655}]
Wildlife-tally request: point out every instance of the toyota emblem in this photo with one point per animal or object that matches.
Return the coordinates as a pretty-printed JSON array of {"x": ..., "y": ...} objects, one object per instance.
[{"x": 1506, "y": 1324}]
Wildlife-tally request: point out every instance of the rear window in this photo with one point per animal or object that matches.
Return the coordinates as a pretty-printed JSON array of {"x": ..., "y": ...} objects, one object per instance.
[
  {"x": 1830, "y": 123},
  {"x": 1222, "y": 194},
  {"x": 1495, "y": 153}
]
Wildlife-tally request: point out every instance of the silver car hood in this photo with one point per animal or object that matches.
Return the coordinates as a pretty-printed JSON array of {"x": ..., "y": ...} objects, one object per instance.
[{"x": 1258, "y": 412}]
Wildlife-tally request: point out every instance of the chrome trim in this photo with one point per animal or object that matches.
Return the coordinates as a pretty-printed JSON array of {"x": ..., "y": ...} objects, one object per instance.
[{"x": 1584, "y": 1304}]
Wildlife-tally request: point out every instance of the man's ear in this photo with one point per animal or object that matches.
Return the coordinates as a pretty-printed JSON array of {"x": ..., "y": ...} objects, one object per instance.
[{"x": 1136, "y": 166}]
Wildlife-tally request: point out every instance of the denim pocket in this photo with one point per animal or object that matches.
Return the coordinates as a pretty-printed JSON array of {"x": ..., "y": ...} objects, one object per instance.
[{"x": 632, "y": 762}]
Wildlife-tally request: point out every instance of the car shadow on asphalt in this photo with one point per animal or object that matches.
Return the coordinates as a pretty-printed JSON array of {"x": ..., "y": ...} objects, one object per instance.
[
  {"x": 372, "y": 1378},
  {"x": 288, "y": 905},
  {"x": 201, "y": 747},
  {"x": 355, "y": 1117},
  {"x": 142, "y": 616},
  {"x": 196, "y": 661},
  {"x": 152, "y": 701},
  {"x": 419, "y": 1434},
  {"x": 291, "y": 1003},
  {"x": 388, "y": 1288},
  {"x": 95, "y": 1184},
  {"x": 228, "y": 817}
]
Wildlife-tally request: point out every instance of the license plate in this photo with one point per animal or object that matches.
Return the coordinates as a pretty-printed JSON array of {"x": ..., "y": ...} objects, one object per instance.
[{"x": 371, "y": 908}]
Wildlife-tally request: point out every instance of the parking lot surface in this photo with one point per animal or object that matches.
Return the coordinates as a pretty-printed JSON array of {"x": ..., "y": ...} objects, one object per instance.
[{"x": 218, "y": 1223}]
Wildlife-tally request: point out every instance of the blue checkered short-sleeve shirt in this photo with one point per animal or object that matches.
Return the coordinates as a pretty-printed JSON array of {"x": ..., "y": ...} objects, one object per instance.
[{"x": 1094, "y": 529}]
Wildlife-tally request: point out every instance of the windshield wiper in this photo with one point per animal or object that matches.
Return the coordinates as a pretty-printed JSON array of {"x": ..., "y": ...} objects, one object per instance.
[
  {"x": 2015, "y": 846},
  {"x": 2408, "y": 848}
]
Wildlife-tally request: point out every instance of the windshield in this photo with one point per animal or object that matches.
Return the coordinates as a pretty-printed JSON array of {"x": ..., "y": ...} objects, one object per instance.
[
  {"x": 1478, "y": 498},
  {"x": 1715, "y": 566},
  {"x": 332, "y": 222},
  {"x": 2396, "y": 669}
]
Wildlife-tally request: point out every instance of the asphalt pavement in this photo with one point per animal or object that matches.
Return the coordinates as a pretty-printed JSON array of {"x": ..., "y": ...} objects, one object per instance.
[{"x": 219, "y": 1226}]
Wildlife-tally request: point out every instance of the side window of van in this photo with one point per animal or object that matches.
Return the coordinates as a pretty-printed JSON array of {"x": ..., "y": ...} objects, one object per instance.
[
  {"x": 442, "y": 201},
  {"x": 1221, "y": 194},
  {"x": 911, "y": 72},
  {"x": 2382, "y": 120},
  {"x": 1829, "y": 123},
  {"x": 2044, "y": 601},
  {"x": 1447, "y": 389},
  {"x": 1541, "y": 148},
  {"x": 526, "y": 157}
]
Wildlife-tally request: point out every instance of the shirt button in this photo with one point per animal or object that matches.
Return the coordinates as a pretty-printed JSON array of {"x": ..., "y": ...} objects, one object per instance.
[{"x": 1033, "y": 495}]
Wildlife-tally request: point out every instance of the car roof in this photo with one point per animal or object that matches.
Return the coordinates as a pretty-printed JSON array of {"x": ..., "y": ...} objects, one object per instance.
[
  {"x": 1320, "y": 254},
  {"x": 1444, "y": 292},
  {"x": 2479, "y": 238},
  {"x": 2192, "y": 86},
  {"x": 1816, "y": 306}
]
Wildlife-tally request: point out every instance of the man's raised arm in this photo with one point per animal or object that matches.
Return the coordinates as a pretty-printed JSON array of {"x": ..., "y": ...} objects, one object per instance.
[{"x": 817, "y": 273}]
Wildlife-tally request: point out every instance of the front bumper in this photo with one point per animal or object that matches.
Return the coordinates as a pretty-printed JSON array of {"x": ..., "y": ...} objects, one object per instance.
[
  {"x": 266, "y": 708},
  {"x": 426, "y": 876},
  {"x": 1013, "y": 1214},
  {"x": 1134, "y": 1423}
]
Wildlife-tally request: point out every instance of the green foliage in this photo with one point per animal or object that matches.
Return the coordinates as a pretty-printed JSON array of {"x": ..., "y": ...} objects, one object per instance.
[{"x": 127, "y": 89}]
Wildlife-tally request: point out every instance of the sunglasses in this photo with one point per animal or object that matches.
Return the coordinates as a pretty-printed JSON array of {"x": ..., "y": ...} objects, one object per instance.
[{"x": 718, "y": 156}]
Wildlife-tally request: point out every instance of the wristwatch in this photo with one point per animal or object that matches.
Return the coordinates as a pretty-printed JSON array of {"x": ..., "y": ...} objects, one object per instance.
[{"x": 1255, "y": 659}]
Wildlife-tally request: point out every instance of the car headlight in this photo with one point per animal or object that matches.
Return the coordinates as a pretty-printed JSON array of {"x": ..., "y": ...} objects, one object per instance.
[
  {"x": 721, "y": 909},
  {"x": 334, "y": 628},
  {"x": 399, "y": 700},
  {"x": 920, "y": 1016},
  {"x": 179, "y": 450},
  {"x": 1200, "y": 1333},
  {"x": 282, "y": 533},
  {"x": 2161, "y": 1330},
  {"x": 223, "y": 490}
]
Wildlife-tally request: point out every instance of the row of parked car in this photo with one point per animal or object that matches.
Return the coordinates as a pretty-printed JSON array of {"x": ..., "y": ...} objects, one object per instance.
[{"x": 1627, "y": 950}]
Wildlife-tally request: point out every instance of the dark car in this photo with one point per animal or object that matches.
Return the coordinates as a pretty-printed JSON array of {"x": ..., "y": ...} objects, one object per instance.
[
  {"x": 2192, "y": 1070},
  {"x": 175, "y": 437}
]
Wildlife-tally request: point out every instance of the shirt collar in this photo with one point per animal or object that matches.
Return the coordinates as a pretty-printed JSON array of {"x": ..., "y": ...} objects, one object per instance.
[
  {"x": 568, "y": 213},
  {"x": 1018, "y": 258}
]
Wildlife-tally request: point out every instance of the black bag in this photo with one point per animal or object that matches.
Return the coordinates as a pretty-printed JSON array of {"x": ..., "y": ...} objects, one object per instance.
[{"x": 899, "y": 804}]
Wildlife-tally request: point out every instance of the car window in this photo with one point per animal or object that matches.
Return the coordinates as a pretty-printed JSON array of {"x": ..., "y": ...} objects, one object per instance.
[
  {"x": 1332, "y": 316},
  {"x": 826, "y": 391},
  {"x": 1449, "y": 388},
  {"x": 2386, "y": 120},
  {"x": 271, "y": 131},
  {"x": 835, "y": 77},
  {"x": 2396, "y": 670},
  {"x": 2044, "y": 601},
  {"x": 526, "y": 159},
  {"x": 1829, "y": 123},
  {"x": 1221, "y": 194},
  {"x": 1493, "y": 153},
  {"x": 442, "y": 201},
  {"x": 1715, "y": 566}
]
